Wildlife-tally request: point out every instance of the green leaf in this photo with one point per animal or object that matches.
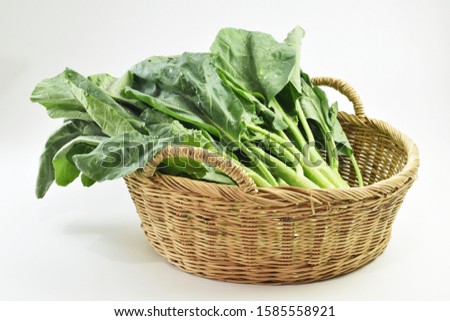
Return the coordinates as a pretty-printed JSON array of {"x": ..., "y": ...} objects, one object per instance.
[
  {"x": 316, "y": 107},
  {"x": 66, "y": 133},
  {"x": 312, "y": 107},
  {"x": 103, "y": 81},
  {"x": 188, "y": 88},
  {"x": 112, "y": 118},
  {"x": 294, "y": 40},
  {"x": 55, "y": 92},
  {"x": 65, "y": 170},
  {"x": 193, "y": 169},
  {"x": 67, "y": 113},
  {"x": 179, "y": 166},
  {"x": 152, "y": 116},
  {"x": 55, "y": 95},
  {"x": 115, "y": 88},
  {"x": 254, "y": 60},
  {"x": 216, "y": 177},
  {"x": 256, "y": 66},
  {"x": 123, "y": 154},
  {"x": 183, "y": 166},
  {"x": 255, "y": 111},
  {"x": 87, "y": 181},
  {"x": 292, "y": 91}
]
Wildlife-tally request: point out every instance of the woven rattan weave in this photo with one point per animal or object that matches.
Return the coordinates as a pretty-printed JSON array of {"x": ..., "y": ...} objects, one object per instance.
[{"x": 280, "y": 235}]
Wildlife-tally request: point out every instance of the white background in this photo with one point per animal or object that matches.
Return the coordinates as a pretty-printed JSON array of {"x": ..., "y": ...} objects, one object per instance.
[{"x": 86, "y": 244}]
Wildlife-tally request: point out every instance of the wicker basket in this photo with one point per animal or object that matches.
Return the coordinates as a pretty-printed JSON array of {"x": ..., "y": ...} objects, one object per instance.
[{"x": 280, "y": 235}]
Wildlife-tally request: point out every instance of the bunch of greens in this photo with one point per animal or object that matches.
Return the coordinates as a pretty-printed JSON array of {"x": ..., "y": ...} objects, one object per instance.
[{"x": 247, "y": 99}]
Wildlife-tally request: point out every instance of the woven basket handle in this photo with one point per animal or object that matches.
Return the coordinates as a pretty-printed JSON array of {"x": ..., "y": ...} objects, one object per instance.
[
  {"x": 235, "y": 172},
  {"x": 345, "y": 89}
]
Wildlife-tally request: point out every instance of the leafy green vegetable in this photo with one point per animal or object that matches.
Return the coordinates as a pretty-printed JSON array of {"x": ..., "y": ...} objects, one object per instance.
[
  {"x": 55, "y": 95},
  {"x": 65, "y": 170},
  {"x": 111, "y": 117},
  {"x": 68, "y": 132},
  {"x": 87, "y": 181},
  {"x": 115, "y": 88},
  {"x": 315, "y": 104},
  {"x": 231, "y": 52},
  {"x": 188, "y": 88},
  {"x": 123, "y": 154},
  {"x": 254, "y": 61},
  {"x": 248, "y": 100},
  {"x": 317, "y": 109},
  {"x": 102, "y": 81}
]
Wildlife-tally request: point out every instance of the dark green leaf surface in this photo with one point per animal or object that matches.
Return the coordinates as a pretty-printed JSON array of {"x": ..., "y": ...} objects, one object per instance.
[
  {"x": 294, "y": 40},
  {"x": 68, "y": 131},
  {"x": 316, "y": 107},
  {"x": 188, "y": 88},
  {"x": 244, "y": 98},
  {"x": 123, "y": 154},
  {"x": 112, "y": 118},
  {"x": 55, "y": 95},
  {"x": 254, "y": 60},
  {"x": 293, "y": 89},
  {"x": 87, "y": 181},
  {"x": 65, "y": 170},
  {"x": 115, "y": 87},
  {"x": 152, "y": 116}
]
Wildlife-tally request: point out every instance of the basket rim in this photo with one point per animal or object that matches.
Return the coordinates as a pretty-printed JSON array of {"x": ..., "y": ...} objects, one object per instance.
[{"x": 380, "y": 188}]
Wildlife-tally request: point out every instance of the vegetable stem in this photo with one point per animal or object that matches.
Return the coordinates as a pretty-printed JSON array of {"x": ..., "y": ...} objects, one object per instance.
[
  {"x": 259, "y": 181},
  {"x": 304, "y": 122},
  {"x": 313, "y": 173},
  {"x": 260, "y": 166},
  {"x": 313, "y": 156},
  {"x": 357, "y": 171},
  {"x": 333, "y": 159},
  {"x": 281, "y": 170}
]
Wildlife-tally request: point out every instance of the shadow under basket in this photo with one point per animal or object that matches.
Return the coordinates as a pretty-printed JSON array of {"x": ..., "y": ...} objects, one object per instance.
[{"x": 279, "y": 235}]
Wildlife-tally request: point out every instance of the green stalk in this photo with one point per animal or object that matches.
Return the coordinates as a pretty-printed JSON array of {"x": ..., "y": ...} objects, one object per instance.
[
  {"x": 311, "y": 172},
  {"x": 280, "y": 169},
  {"x": 283, "y": 154},
  {"x": 214, "y": 146},
  {"x": 293, "y": 128},
  {"x": 260, "y": 166},
  {"x": 259, "y": 181},
  {"x": 304, "y": 122},
  {"x": 333, "y": 159},
  {"x": 357, "y": 171},
  {"x": 298, "y": 168},
  {"x": 333, "y": 177}
]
